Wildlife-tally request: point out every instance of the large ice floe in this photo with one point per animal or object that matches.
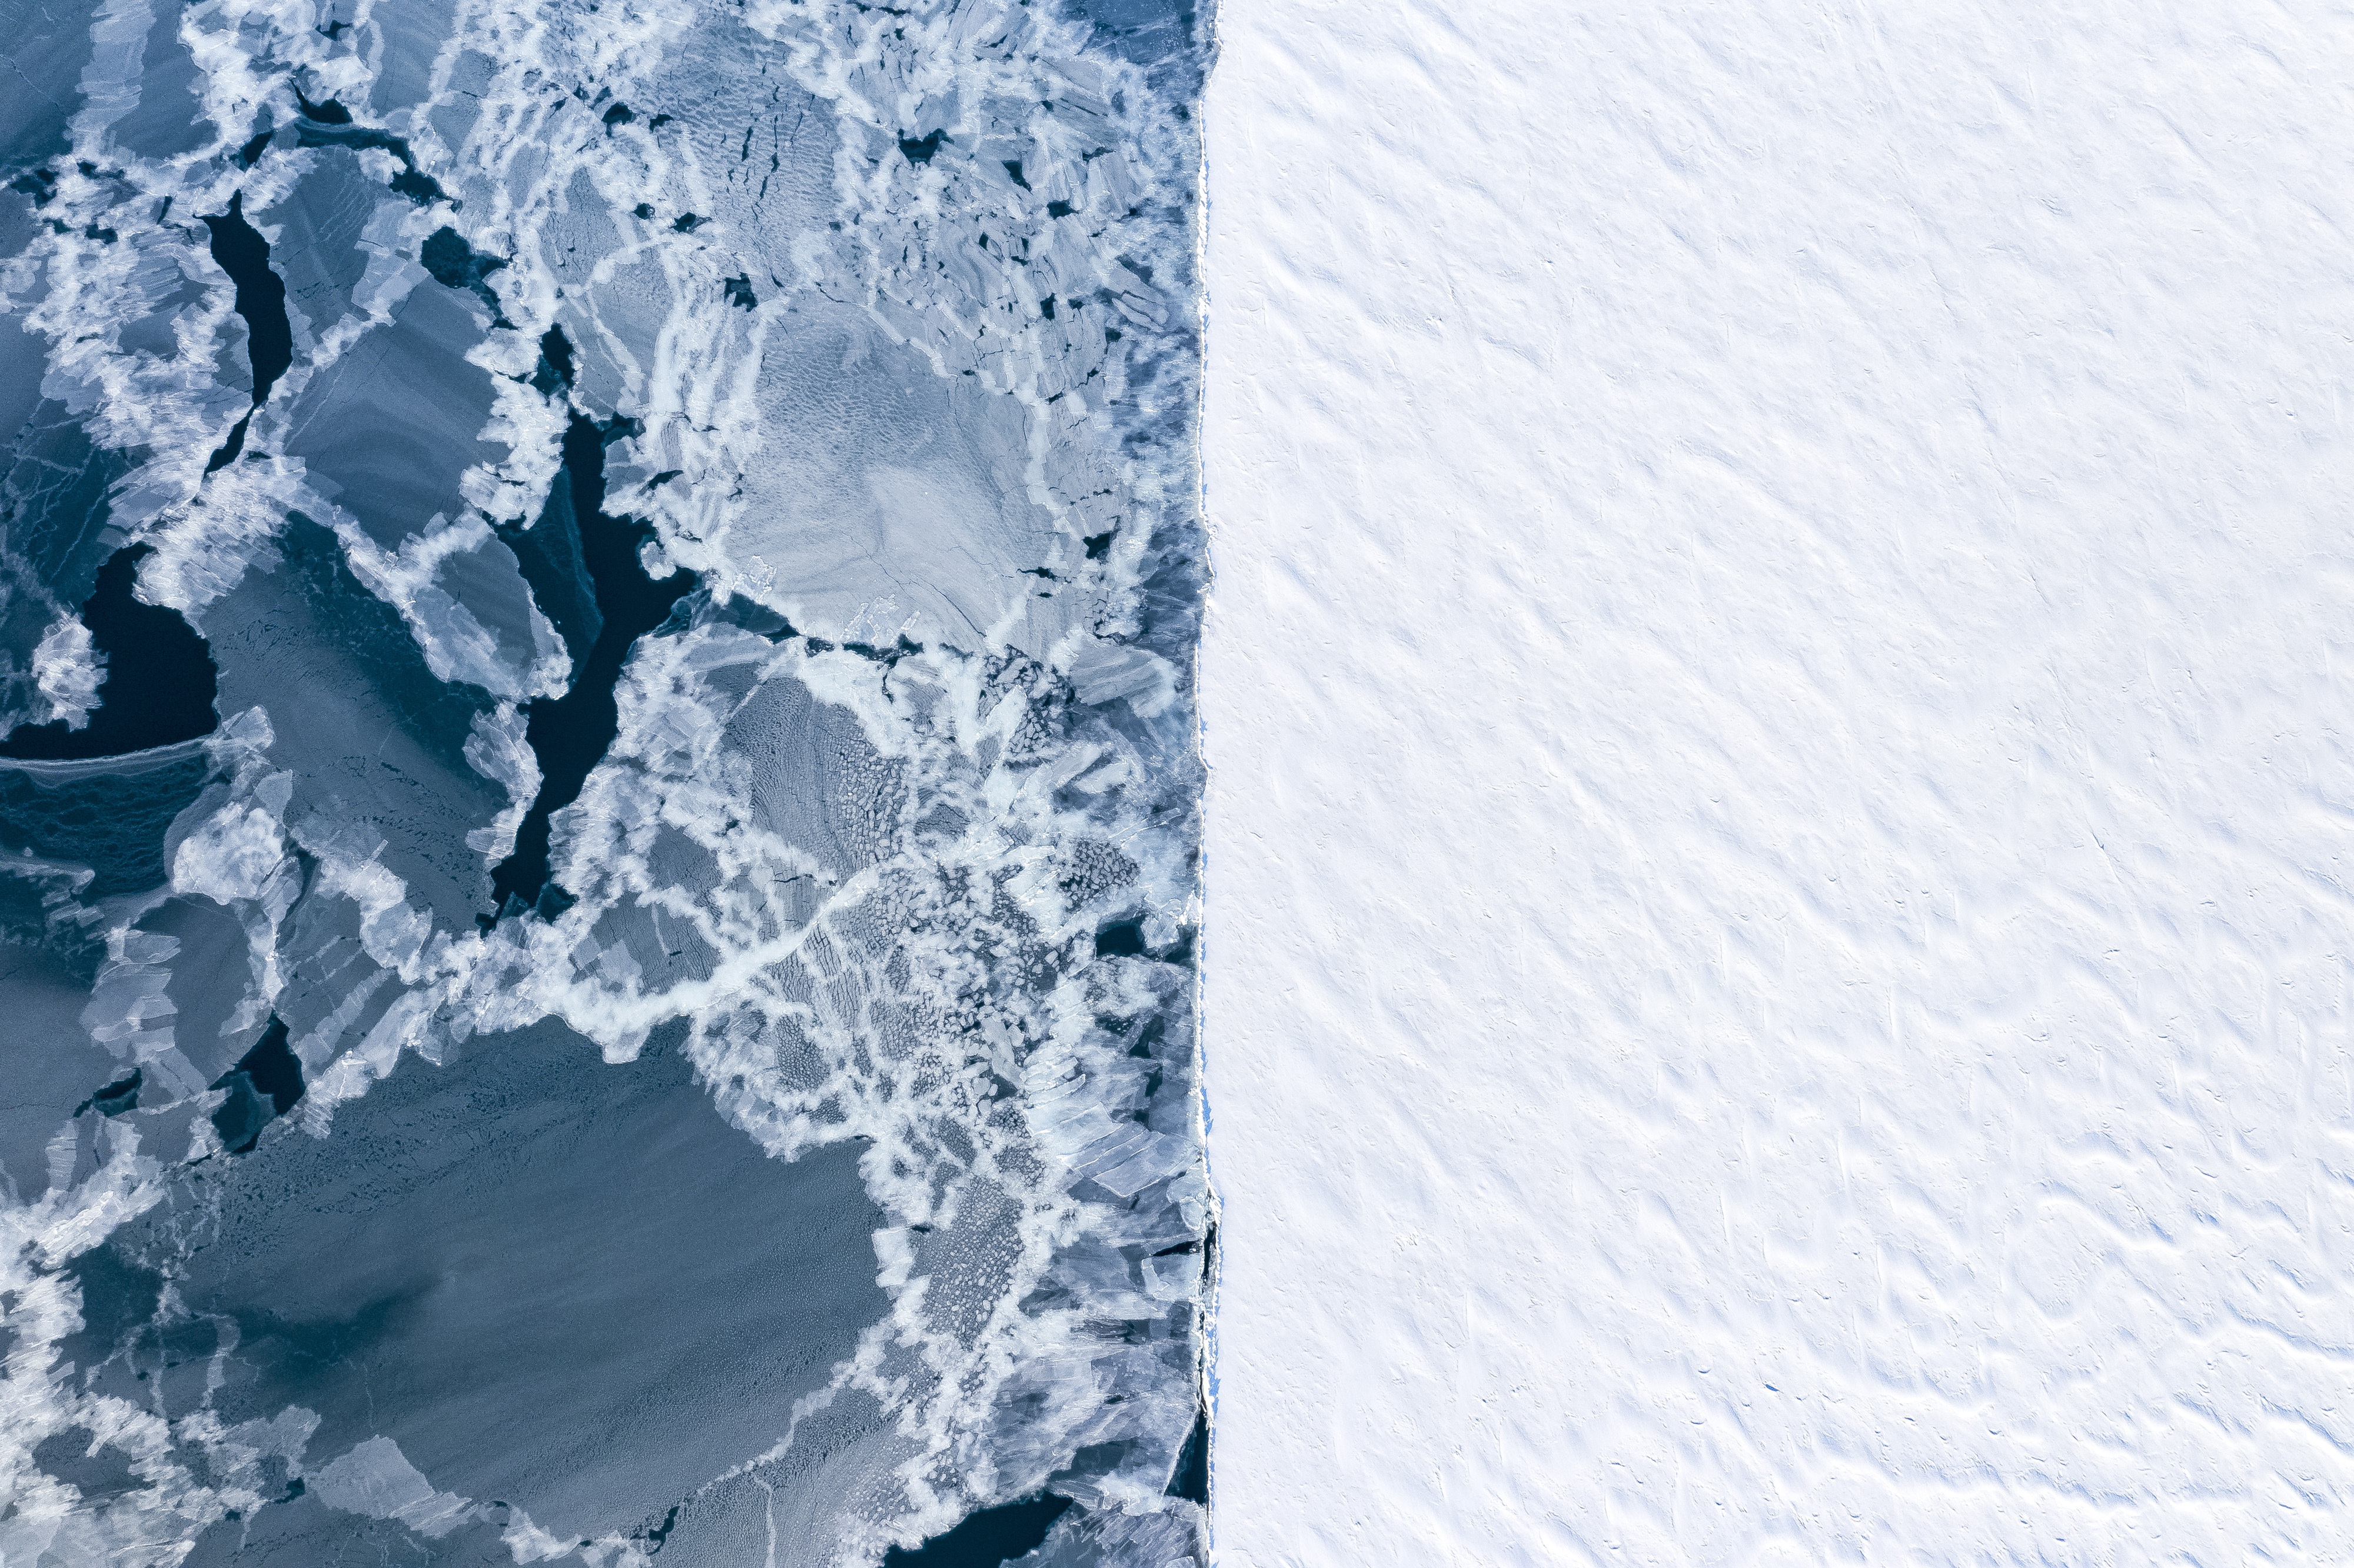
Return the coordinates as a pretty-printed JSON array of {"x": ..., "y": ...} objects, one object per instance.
[{"x": 598, "y": 810}]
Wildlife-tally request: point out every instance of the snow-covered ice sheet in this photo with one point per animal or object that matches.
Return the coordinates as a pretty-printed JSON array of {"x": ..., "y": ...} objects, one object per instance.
[{"x": 1779, "y": 817}]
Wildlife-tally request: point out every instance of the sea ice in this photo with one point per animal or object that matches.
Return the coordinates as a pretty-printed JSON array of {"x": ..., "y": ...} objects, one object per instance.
[{"x": 596, "y": 614}]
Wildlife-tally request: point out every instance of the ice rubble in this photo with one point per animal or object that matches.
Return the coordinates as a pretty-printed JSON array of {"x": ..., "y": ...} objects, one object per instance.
[
  {"x": 67, "y": 668},
  {"x": 890, "y": 316}
]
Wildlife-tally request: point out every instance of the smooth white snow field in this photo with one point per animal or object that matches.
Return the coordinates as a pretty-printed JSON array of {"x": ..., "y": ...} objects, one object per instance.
[{"x": 1777, "y": 691}]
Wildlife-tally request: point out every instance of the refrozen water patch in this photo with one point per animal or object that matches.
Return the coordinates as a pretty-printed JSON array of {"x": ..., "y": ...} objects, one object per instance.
[
  {"x": 530, "y": 1280},
  {"x": 596, "y": 619}
]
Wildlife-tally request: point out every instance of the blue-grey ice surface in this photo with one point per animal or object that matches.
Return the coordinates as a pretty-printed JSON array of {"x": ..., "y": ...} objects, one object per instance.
[{"x": 632, "y": 995}]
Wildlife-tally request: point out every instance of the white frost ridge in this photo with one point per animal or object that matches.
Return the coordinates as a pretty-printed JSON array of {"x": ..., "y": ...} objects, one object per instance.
[{"x": 68, "y": 670}]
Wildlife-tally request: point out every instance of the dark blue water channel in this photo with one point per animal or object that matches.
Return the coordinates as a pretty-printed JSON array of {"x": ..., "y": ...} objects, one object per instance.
[
  {"x": 988, "y": 1538},
  {"x": 159, "y": 683},
  {"x": 244, "y": 255},
  {"x": 266, "y": 1082},
  {"x": 599, "y": 618}
]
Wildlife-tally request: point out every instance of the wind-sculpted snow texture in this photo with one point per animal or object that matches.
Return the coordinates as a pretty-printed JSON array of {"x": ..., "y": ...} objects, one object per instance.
[
  {"x": 597, "y": 828},
  {"x": 1832, "y": 575}
]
